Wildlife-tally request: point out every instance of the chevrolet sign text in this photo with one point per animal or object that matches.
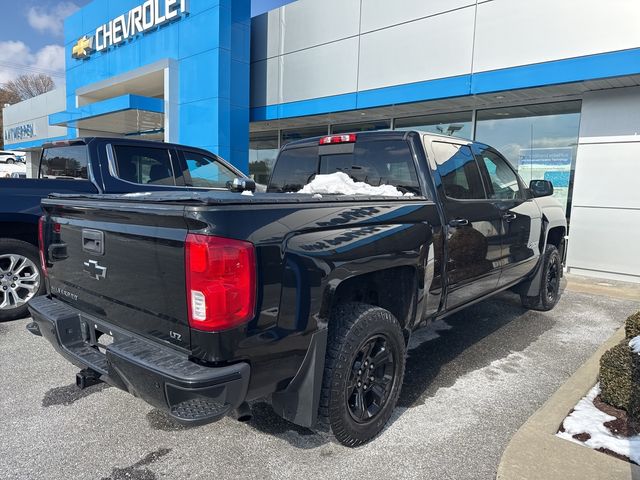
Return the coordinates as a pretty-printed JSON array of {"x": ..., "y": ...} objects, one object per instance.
[{"x": 138, "y": 20}]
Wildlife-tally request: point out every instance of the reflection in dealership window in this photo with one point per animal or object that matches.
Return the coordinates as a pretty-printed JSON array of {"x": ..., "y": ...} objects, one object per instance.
[
  {"x": 64, "y": 163},
  {"x": 540, "y": 141},
  {"x": 362, "y": 126},
  {"x": 451, "y": 124},
  {"x": 301, "y": 133},
  {"x": 263, "y": 150}
]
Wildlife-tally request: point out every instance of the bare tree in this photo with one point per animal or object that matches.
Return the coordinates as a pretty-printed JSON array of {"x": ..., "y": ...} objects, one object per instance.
[
  {"x": 30, "y": 85},
  {"x": 6, "y": 98}
]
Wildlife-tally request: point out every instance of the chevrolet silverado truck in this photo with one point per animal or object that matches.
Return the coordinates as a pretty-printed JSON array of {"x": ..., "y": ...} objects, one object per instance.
[
  {"x": 199, "y": 302},
  {"x": 89, "y": 165}
]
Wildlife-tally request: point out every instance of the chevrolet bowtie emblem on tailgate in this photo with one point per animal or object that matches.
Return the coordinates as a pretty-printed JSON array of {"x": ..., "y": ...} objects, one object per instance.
[{"x": 94, "y": 269}]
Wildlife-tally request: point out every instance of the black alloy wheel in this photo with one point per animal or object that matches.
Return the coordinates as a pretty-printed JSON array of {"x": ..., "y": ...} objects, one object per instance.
[
  {"x": 549, "y": 288},
  {"x": 363, "y": 374},
  {"x": 552, "y": 282},
  {"x": 372, "y": 375}
]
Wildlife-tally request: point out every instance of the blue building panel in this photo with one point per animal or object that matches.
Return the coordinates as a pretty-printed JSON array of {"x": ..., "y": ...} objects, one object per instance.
[
  {"x": 210, "y": 47},
  {"x": 590, "y": 67}
]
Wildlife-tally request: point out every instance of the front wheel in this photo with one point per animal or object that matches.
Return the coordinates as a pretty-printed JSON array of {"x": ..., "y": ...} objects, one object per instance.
[
  {"x": 11, "y": 161},
  {"x": 20, "y": 278},
  {"x": 549, "y": 293},
  {"x": 363, "y": 373}
]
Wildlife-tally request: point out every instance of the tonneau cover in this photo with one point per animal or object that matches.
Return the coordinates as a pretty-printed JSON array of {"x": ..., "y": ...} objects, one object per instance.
[{"x": 229, "y": 198}]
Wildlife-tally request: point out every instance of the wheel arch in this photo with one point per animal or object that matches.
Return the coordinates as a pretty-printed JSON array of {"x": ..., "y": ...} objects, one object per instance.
[{"x": 395, "y": 289}]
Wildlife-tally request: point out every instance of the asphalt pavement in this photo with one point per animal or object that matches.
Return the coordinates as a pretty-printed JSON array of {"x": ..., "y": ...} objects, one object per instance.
[{"x": 471, "y": 382}]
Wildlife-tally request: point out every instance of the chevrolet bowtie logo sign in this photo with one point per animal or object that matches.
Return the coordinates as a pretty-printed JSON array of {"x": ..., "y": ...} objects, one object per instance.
[
  {"x": 94, "y": 269},
  {"x": 83, "y": 48},
  {"x": 138, "y": 20}
]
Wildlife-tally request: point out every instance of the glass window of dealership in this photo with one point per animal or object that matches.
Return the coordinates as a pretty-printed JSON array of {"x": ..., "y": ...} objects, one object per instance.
[{"x": 540, "y": 140}]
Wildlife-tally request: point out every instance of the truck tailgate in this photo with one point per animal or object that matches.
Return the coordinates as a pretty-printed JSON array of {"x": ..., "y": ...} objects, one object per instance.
[{"x": 121, "y": 262}]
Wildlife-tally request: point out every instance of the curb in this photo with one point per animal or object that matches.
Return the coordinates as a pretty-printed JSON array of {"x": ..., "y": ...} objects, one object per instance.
[{"x": 535, "y": 453}]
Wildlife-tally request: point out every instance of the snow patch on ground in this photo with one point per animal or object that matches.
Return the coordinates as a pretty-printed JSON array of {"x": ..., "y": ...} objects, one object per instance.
[
  {"x": 586, "y": 418},
  {"x": 428, "y": 333},
  {"x": 340, "y": 183},
  {"x": 634, "y": 343}
]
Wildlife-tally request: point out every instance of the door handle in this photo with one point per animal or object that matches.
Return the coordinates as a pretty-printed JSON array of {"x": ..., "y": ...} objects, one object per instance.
[
  {"x": 459, "y": 222},
  {"x": 509, "y": 216},
  {"x": 93, "y": 241}
]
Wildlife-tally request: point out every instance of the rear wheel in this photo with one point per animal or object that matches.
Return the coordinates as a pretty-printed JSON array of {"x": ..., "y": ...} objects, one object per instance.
[
  {"x": 11, "y": 161},
  {"x": 549, "y": 293},
  {"x": 363, "y": 372},
  {"x": 20, "y": 277}
]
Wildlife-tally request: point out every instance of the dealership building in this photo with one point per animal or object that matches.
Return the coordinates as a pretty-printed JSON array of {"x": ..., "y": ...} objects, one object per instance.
[{"x": 553, "y": 84}]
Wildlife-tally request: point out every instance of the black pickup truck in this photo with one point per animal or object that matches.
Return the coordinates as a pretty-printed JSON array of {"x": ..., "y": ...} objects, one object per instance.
[
  {"x": 89, "y": 165},
  {"x": 198, "y": 302}
]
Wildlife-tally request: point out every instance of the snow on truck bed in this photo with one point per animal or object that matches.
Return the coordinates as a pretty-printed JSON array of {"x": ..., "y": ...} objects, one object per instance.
[{"x": 340, "y": 183}]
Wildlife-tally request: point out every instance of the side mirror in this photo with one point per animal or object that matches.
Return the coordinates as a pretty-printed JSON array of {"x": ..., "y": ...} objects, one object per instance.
[
  {"x": 541, "y": 188},
  {"x": 240, "y": 185}
]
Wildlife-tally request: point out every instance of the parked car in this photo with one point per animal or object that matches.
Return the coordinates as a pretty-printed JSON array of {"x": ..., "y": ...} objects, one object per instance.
[
  {"x": 9, "y": 157},
  {"x": 198, "y": 302},
  {"x": 90, "y": 165}
]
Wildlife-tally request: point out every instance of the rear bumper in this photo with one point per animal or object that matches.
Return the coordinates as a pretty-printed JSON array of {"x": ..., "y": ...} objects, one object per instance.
[{"x": 165, "y": 378}]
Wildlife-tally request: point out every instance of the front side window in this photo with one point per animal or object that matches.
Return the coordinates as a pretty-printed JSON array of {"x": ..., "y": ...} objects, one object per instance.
[
  {"x": 458, "y": 171},
  {"x": 502, "y": 182},
  {"x": 144, "y": 165},
  {"x": 207, "y": 172},
  {"x": 64, "y": 163}
]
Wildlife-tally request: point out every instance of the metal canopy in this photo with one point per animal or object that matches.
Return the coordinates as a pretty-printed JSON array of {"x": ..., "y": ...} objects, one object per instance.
[{"x": 124, "y": 115}]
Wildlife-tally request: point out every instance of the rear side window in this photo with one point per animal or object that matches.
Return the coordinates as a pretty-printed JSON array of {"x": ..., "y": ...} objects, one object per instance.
[
  {"x": 386, "y": 162},
  {"x": 458, "y": 171},
  {"x": 144, "y": 165},
  {"x": 207, "y": 172},
  {"x": 64, "y": 162}
]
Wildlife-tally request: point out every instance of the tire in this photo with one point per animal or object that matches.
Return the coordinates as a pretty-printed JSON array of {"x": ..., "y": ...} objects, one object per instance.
[
  {"x": 356, "y": 329},
  {"x": 11, "y": 161},
  {"x": 549, "y": 293},
  {"x": 26, "y": 267}
]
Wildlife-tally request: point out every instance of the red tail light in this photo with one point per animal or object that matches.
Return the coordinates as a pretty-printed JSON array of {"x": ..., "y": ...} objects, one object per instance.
[
  {"x": 331, "y": 139},
  {"x": 43, "y": 262},
  {"x": 221, "y": 282}
]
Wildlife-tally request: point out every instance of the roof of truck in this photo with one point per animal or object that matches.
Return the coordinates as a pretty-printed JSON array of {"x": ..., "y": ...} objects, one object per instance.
[{"x": 378, "y": 134}]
